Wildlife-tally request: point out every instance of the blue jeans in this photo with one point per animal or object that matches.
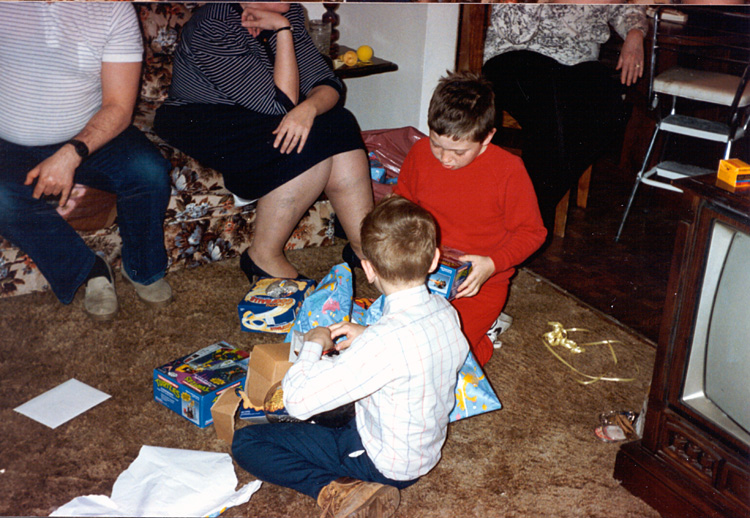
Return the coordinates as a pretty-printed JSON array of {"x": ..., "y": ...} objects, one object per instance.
[
  {"x": 128, "y": 166},
  {"x": 306, "y": 457}
]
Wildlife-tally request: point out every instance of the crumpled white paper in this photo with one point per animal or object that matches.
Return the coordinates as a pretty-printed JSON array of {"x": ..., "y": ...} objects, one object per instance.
[{"x": 168, "y": 482}]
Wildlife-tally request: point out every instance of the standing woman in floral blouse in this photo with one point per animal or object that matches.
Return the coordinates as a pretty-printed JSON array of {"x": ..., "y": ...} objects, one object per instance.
[
  {"x": 253, "y": 98},
  {"x": 543, "y": 60}
]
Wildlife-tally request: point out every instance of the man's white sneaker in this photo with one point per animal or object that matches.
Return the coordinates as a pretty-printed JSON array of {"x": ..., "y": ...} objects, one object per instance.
[
  {"x": 157, "y": 294},
  {"x": 100, "y": 299}
]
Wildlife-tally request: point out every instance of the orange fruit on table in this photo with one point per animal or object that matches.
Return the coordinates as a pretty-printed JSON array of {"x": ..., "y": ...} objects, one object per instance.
[
  {"x": 364, "y": 53},
  {"x": 350, "y": 58}
]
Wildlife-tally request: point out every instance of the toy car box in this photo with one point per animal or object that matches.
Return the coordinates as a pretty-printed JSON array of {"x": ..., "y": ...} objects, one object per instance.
[
  {"x": 271, "y": 305},
  {"x": 267, "y": 365},
  {"x": 190, "y": 385},
  {"x": 451, "y": 272}
]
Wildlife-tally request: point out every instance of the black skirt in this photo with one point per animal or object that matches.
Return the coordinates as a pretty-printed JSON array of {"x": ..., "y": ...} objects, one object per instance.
[{"x": 238, "y": 143}]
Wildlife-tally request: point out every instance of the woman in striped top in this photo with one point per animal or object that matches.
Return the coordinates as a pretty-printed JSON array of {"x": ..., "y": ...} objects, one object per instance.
[{"x": 253, "y": 98}]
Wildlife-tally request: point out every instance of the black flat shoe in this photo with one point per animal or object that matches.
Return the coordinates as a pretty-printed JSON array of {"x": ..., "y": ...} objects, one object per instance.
[
  {"x": 351, "y": 258},
  {"x": 253, "y": 272}
]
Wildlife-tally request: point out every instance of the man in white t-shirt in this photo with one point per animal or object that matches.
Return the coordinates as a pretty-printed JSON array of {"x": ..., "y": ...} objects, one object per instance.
[{"x": 69, "y": 76}]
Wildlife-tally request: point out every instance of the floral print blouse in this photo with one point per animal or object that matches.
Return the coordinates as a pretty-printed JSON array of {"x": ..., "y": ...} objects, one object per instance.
[{"x": 568, "y": 33}]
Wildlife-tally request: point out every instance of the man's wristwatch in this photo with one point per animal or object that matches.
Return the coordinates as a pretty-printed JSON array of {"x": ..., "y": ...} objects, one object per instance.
[{"x": 81, "y": 148}]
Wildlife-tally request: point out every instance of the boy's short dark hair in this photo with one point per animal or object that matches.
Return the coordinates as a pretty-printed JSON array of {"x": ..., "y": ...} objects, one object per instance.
[
  {"x": 399, "y": 238},
  {"x": 462, "y": 107}
]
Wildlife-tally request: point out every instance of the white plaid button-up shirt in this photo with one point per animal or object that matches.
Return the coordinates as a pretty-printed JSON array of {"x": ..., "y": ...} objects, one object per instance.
[{"x": 402, "y": 374}]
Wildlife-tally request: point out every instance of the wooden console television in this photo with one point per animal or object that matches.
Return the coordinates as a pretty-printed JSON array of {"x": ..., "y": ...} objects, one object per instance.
[{"x": 694, "y": 457}]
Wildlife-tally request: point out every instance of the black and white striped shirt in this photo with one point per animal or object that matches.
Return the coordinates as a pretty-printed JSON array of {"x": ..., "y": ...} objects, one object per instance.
[
  {"x": 218, "y": 62},
  {"x": 51, "y": 56}
]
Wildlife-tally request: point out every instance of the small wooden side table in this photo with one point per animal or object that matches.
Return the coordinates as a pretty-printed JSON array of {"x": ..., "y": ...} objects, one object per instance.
[{"x": 376, "y": 66}]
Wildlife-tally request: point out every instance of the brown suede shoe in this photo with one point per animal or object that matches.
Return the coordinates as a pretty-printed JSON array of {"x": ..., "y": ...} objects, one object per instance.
[
  {"x": 351, "y": 498},
  {"x": 156, "y": 295},
  {"x": 100, "y": 299}
]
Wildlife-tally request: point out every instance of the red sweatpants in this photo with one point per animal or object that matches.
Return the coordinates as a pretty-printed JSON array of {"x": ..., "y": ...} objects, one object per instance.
[{"x": 478, "y": 313}]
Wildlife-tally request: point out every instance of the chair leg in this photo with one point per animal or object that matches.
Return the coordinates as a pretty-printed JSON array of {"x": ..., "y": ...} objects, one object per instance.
[
  {"x": 561, "y": 211},
  {"x": 561, "y": 216},
  {"x": 627, "y": 208},
  {"x": 583, "y": 188},
  {"x": 728, "y": 149},
  {"x": 637, "y": 182}
]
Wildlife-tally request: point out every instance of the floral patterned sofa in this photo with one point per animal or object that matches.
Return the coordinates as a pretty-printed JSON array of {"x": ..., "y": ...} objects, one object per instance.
[{"x": 202, "y": 224}]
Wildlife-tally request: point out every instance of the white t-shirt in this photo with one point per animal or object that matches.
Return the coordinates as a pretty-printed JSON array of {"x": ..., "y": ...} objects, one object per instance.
[{"x": 50, "y": 64}]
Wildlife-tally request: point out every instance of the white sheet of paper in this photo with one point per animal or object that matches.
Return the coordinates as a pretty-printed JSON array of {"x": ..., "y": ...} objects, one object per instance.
[
  {"x": 168, "y": 482},
  {"x": 62, "y": 403}
]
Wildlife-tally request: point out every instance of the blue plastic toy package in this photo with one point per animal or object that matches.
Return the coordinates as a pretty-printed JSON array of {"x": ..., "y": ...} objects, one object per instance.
[
  {"x": 333, "y": 302},
  {"x": 378, "y": 173}
]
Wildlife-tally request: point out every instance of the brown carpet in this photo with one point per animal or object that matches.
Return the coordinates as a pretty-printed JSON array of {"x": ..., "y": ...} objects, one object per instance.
[{"x": 538, "y": 456}]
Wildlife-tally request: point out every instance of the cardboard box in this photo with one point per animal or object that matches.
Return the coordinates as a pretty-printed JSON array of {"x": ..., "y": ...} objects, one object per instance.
[
  {"x": 271, "y": 305},
  {"x": 267, "y": 365},
  {"x": 450, "y": 274},
  {"x": 191, "y": 384},
  {"x": 733, "y": 174}
]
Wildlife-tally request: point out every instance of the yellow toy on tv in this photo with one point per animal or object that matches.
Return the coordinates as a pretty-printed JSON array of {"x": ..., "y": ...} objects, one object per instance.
[{"x": 733, "y": 174}]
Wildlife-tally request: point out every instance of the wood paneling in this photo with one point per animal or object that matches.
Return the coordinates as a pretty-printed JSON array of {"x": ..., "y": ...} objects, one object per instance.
[{"x": 472, "y": 25}]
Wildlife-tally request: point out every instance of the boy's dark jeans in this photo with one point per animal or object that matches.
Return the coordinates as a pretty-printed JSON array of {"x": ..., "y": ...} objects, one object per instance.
[{"x": 306, "y": 457}]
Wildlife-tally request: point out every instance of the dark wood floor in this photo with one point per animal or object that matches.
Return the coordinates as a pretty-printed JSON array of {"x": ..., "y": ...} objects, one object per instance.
[{"x": 625, "y": 280}]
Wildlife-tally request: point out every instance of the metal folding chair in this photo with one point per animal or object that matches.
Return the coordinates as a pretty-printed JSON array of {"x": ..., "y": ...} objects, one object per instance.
[{"x": 712, "y": 46}]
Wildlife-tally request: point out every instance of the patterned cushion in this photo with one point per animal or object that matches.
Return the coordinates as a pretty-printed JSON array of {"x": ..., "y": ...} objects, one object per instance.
[{"x": 161, "y": 24}]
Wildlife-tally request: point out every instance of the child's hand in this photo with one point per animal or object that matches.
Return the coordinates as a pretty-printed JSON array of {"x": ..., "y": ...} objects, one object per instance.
[
  {"x": 320, "y": 335},
  {"x": 347, "y": 329},
  {"x": 482, "y": 267}
]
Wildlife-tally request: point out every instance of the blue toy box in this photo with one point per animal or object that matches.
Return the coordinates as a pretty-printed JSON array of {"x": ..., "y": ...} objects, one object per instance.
[
  {"x": 450, "y": 274},
  {"x": 190, "y": 385},
  {"x": 377, "y": 171}
]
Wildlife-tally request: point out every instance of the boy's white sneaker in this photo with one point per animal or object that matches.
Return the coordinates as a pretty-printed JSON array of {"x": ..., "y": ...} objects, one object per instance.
[{"x": 501, "y": 325}]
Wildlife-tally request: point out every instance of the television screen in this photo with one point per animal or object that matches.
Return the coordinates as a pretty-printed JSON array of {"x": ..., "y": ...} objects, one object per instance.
[{"x": 717, "y": 384}]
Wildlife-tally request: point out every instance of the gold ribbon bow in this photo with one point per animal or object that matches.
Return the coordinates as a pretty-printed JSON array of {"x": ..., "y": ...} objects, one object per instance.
[{"x": 559, "y": 337}]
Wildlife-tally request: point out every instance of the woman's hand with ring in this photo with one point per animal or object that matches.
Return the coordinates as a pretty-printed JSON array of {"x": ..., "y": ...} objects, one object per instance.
[{"x": 631, "y": 58}]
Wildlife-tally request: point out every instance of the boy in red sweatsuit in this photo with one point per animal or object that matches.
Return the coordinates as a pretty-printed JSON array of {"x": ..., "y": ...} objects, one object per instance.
[{"x": 480, "y": 196}]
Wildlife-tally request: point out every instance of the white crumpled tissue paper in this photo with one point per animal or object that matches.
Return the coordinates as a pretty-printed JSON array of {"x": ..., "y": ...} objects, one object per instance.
[{"x": 168, "y": 482}]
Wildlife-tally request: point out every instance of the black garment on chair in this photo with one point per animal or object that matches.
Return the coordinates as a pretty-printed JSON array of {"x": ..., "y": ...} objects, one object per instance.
[{"x": 569, "y": 116}]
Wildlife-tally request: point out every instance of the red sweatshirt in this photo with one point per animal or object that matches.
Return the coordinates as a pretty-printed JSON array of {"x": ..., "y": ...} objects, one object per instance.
[{"x": 485, "y": 208}]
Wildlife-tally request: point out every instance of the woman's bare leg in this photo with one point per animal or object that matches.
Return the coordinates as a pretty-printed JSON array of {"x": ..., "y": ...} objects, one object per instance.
[
  {"x": 345, "y": 178},
  {"x": 279, "y": 212},
  {"x": 350, "y": 190}
]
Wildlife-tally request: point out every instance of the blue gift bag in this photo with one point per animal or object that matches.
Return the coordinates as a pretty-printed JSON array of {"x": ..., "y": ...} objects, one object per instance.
[{"x": 474, "y": 395}]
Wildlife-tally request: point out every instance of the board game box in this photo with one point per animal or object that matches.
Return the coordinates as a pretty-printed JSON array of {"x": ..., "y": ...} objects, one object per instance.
[{"x": 189, "y": 385}]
